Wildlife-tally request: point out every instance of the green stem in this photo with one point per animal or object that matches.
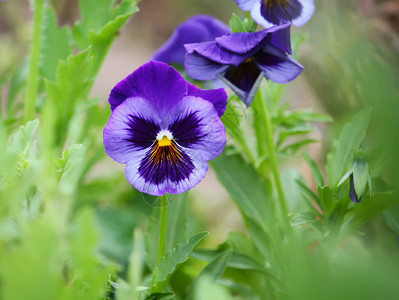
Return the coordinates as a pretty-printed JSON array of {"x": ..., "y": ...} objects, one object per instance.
[
  {"x": 33, "y": 79},
  {"x": 163, "y": 228},
  {"x": 272, "y": 156}
]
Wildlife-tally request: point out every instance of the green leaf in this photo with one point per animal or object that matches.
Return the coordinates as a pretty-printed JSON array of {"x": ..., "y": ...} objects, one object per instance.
[
  {"x": 213, "y": 271},
  {"x": 316, "y": 171},
  {"x": 170, "y": 262},
  {"x": 236, "y": 261},
  {"x": 56, "y": 45},
  {"x": 160, "y": 296},
  {"x": 296, "y": 130},
  {"x": 22, "y": 142},
  {"x": 340, "y": 159},
  {"x": 177, "y": 228},
  {"x": 72, "y": 86},
  {"x": 303, "y": 218},
  {"x": 391, "y": 216},
  {"x": 207, "y": 288},
  {"x": 248, "y": 190},
  {"x": 236, "y": 24},
  {"x": 373, "y": 205}
]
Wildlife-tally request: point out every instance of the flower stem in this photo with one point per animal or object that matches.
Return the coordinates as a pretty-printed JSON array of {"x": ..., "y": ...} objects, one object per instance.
[
  {"x": 163, "y": 226},
  {"x": 33, "y": 79},
  {"x": 272, "y": 156}
]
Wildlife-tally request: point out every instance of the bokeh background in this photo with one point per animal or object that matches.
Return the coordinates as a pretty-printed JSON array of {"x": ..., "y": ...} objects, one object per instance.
[{"x": 350, "y": 57}]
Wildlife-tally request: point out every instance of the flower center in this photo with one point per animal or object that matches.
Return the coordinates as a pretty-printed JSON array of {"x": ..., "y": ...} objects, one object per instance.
[
  {"x": 164, "y": 138},
  {"x": 270, "y": 3}
]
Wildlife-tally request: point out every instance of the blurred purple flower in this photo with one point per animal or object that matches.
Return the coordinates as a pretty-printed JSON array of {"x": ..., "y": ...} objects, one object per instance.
[
  {"x": 276, "y": 12},
  {"x": 200, "y": 28},
  {"x": 352, "y": 192},
  {"x": 242, "y": 59},
  {"x": 164, "y": 129}
]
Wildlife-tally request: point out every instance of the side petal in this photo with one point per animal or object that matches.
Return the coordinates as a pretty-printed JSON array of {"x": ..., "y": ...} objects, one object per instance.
[
  {"x": 308, "y": 9},
  {"x": 217, "y": 97},
  {"x": 196, "y": 125},
  {"x": 156, "y": 82},
  {"x": 131, "y": 129},
  {"x": 282, "y": 39},
  {"x": 277, "y": 66},
  {"x": 246, "y": 5},
  {"x": 201, "y": 68}
]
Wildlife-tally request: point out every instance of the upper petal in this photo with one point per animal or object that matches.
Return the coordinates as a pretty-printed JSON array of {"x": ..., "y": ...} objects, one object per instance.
[
  {"x": 217, "y": 97},
  {"x": 244, "y": 42},
  {"x": 199, "y": 28},
  {"x": 156, "y": 82},
  {"x": 215, "y": 53}
]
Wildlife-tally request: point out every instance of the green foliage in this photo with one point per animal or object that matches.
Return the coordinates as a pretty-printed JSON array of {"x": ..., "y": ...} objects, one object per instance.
[
  {"x": 241, "y": 25},
  {"x": 173, "y": 258}
]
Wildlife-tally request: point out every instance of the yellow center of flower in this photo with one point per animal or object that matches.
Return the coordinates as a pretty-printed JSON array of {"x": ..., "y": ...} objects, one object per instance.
[{"x": 164, "y": 142}]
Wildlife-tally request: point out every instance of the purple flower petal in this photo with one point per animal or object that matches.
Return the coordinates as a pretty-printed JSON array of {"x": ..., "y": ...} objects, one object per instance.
[
  {"x": 244, "y": 42},
  {"x": 156, "y": 82},
  {"x": 282, "y": 39},
  {"x": 270, "y": 13},
  {"x": 201, "y": 68},
  {"x": 217, "y": 97},
  {"x": 246, "y": 5},
  {"x": 198, "y": 136},
  {"x": 131, "y": 129},
  {"x": 277, "y": 66},
  {"x": 308, "y": 9},
  {"x": 213, "y": 52},
  {"x": 200, "y": 28}
]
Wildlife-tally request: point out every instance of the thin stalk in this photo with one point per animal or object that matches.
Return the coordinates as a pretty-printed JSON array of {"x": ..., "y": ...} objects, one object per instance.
[
  {"x": 33, "y": 79},
  {"x": 163, "y": 226},
  {"x": 272, "y": 156}
]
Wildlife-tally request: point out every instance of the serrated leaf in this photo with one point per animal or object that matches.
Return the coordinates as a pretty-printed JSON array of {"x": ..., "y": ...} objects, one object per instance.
[
  {"x": 22, "y": 141},
  {"x": 171, "y": 261},
  {"x": 56, "y": 45},
  {"x": 340, "y": 159},
  {"x": 296, "y": 130}
]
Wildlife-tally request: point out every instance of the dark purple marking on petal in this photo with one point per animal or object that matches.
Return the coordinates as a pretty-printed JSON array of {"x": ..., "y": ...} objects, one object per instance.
[
  {"x": 282, "y": 39},
  {"x": 244, "y": 76},
  {"x": 186, "y": 130},
  {"x": 141, "y": 132},
  {"x": 165, "y": 162},
  {"x": 280, "y": 11},
  {"x": 217, "y": 97}
]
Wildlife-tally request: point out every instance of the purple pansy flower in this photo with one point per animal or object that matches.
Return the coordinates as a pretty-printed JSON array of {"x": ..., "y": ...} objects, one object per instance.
[
  {"x": 200, "y": 28},
  {"x": 164, "y": 129},
  {"x": 242, "y": 59},
  {"x": 276, "y": 12}
]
